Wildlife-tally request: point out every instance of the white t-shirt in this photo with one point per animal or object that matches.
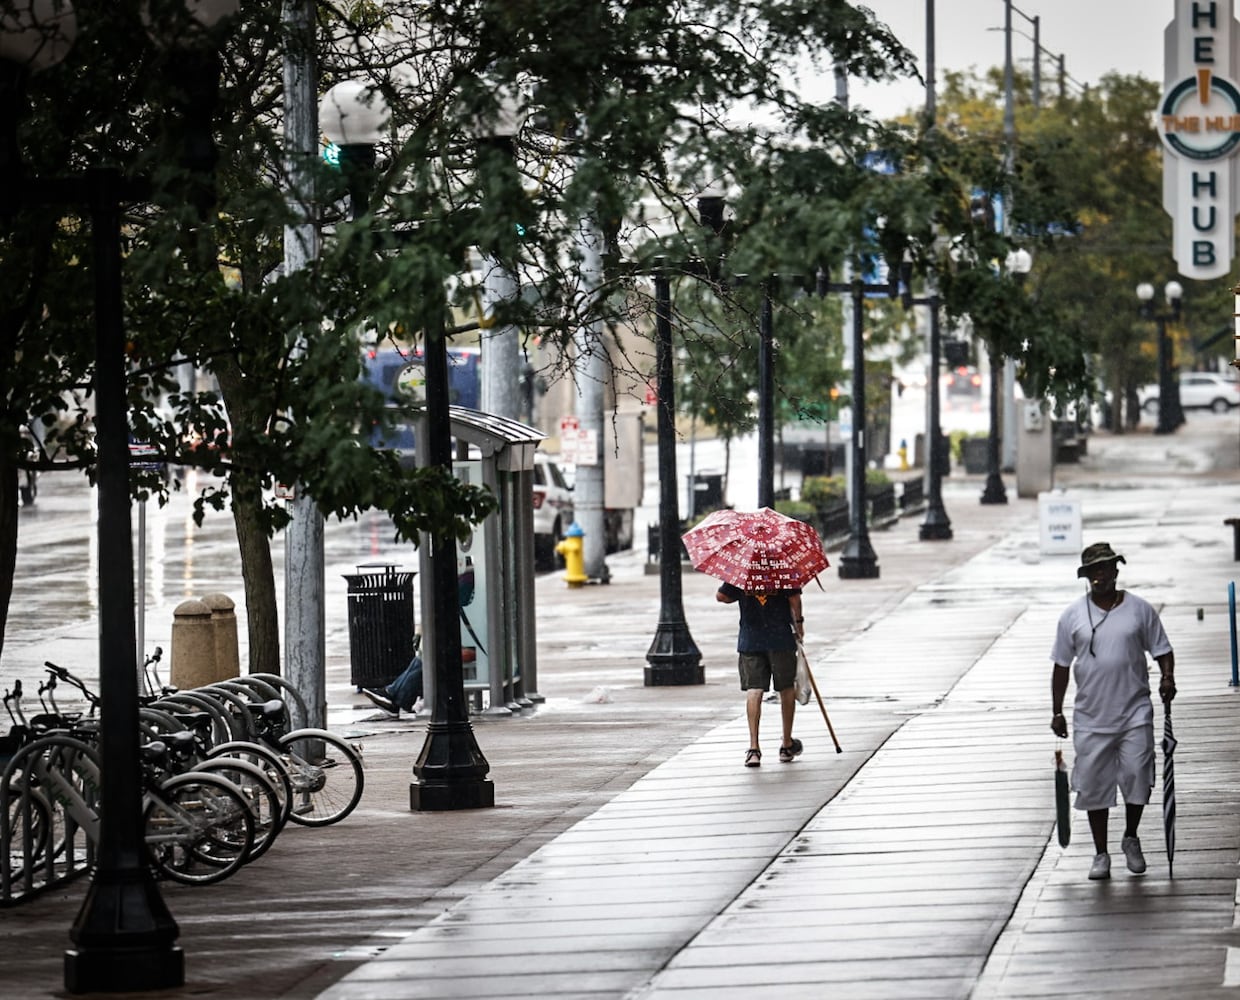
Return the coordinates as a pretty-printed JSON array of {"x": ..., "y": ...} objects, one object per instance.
[{"x": 1112, "y": 683}]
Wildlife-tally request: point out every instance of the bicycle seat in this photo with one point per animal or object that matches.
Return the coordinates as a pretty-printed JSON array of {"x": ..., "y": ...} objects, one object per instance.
[
  {"x": 46, "y": 722},
  {"x": 153, "y": 752},
  {"x": 183, "y": 744},
  {"x": 272, "y": 709}
]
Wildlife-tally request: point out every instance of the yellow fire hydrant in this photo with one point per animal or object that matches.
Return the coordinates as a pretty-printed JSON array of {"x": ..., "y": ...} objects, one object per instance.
[
  {"x": 572, "y": 548},
  {"x": 902, "y": 451}
]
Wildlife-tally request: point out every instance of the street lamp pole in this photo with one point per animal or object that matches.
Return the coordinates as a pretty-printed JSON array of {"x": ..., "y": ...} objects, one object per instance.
[
  {"x": 124, "y": 937},
  {"x": 1018, "y": 264},
  {"x": 451, "y": 768},
  {"x": 766, "y": 399},
  {"x": 937, "y": 526},
  {"x": 1168, "y": 417},
  {"x": 673, "y": 657},
  {"x": 994, "y": 492},
  {"x": 858, "y": 560}
]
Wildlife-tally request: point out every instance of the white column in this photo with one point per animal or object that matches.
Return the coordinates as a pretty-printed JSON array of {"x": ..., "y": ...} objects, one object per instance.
[
  {"x": 501, "y": 351},
  {"x": 305, "y": 641},
  {"x": 591, "y": 372}
]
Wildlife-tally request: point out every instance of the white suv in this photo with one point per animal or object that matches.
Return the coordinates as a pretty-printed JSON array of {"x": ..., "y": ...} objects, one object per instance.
[
  {"x": 1198, "y": 390},
  {"x": 553, "y": 509}
]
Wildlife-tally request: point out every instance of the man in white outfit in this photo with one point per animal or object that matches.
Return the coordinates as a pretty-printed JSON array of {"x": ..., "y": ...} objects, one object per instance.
[{"x": 1104, "y": 637}]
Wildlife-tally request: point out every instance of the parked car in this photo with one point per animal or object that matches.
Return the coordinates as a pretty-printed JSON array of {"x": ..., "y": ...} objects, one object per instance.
[
  {"x": 553, "y": 509},
  {"x": 1198, "y": 390},
  {"x": 963, "y": 381}
]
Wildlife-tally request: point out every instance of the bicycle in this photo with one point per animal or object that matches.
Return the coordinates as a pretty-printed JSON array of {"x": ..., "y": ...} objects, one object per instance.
[
  {"x": 203, "y": 819},
  {"x": 326, "y": 773}
]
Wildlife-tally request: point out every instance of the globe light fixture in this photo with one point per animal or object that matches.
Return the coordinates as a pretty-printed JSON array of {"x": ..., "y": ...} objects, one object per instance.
[
  {"x": 354, "y": 113},
  {"x": 36, "y": 34}
]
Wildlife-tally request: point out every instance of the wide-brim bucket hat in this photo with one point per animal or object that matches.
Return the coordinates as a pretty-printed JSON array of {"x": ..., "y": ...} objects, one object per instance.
[{"x": 1099, "y": 552}]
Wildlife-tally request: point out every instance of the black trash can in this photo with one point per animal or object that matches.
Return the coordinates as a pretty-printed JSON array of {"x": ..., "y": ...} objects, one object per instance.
[
  {"x": 707, "y": 492},
  {"x": 381, "y": 624}
]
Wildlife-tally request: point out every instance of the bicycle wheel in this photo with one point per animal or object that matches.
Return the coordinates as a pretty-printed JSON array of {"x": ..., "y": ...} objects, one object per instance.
[
  {"x": 326, "y": 773},
  {"x": 198, "y": 828},
  {"x": 267, "y": 759},
  {"x": 259, "y": 792},
  {"x": 27, "y": 834}
]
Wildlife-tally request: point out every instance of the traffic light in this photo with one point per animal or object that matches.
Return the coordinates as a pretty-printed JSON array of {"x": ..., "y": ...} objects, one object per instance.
[
  {"x": 955, "y": 353},
  {"x": 982, "y": 211}
]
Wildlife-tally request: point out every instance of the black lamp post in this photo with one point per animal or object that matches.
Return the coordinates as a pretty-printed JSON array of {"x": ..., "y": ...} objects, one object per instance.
[
  {"x": 994, "y": 491},
  {"x": 937, "y": 526},
  {"x": 766, "y": 398},
  {"x": 1018, "y": 264},
  {"x": 858, "y": 560},
  {"x": 451, "y": 770},
  {"x": 1170, "y": 416},
  {"x": 124, "y": 937},
  {"x": 673, "y": 657}
]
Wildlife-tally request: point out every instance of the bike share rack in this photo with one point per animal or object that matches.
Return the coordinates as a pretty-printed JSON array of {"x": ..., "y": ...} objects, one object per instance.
[{"x": 49, "y": 823}]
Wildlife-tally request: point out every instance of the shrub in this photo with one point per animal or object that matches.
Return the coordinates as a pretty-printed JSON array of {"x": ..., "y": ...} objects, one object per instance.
[
  {"x": 822, "y": 491},
  {"x": 800, "y": 509}
]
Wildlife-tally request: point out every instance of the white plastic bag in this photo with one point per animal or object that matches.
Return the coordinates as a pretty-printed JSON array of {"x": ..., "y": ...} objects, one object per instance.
[{"x": 804, "y": 688}]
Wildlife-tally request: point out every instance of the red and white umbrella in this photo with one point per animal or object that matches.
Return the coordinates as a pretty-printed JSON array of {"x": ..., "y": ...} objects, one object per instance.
[{"x": 756, "y": 550}]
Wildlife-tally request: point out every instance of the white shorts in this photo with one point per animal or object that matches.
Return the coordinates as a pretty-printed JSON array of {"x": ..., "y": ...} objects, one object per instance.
[{"x": 1106, "y": 761}]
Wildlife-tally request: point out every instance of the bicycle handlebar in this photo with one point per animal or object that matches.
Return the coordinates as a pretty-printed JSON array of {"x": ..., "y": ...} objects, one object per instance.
[{"x": 64, "y": 675}]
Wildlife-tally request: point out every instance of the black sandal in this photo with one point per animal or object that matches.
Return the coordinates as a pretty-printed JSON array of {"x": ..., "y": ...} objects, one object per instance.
[{"x": 753, "y": 757}]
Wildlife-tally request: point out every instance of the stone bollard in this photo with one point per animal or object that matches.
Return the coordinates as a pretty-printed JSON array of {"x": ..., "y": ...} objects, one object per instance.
[
  {"x": 193, "y": 645},
  {"x": 224, "y": 624}
]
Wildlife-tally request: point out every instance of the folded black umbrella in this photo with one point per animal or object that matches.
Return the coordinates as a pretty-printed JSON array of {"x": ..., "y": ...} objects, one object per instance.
[
  {"x": 1063, "y": 808},
  {"x": 1168, "y": 748}
]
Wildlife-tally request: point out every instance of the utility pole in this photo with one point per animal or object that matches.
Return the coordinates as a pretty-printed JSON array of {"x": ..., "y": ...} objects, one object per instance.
[
  {"x": 1008, "y": 424},
  {"x": 501, "y": 352},
  {"x": 1037, "y": 61},
  {"x": 592, "y": 368},
  {"x": 932, "y": 112},
  {"x": 305, "y": 642}
]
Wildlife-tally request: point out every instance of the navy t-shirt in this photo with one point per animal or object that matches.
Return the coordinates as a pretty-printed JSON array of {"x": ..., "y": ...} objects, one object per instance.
[{"x": 766, "y": 620}]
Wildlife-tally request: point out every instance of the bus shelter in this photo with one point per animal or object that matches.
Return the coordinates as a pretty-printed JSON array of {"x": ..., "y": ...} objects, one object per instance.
[{"x": 495, "y": 565}]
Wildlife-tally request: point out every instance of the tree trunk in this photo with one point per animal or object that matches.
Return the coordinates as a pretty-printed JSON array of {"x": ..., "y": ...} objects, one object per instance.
[
  {"x": 1119, "y": 406},
  {"x": 8, "y": 539},
  {"x": 262, "y": 614}
]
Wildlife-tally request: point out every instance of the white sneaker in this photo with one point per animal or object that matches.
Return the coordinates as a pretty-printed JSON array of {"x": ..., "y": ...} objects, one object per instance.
[
  {"x": 1132, "y": 852},
  {"x": 1101, "y": 868}
]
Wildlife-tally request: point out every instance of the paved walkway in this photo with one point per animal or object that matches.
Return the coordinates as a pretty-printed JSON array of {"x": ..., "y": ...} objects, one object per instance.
[
  {"x": 922, "y": 862},
  {"x": 631, "y": 856}
]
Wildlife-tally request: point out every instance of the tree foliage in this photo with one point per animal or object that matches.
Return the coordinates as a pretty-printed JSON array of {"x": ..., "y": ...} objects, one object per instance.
[
  {"x": 627, "y": 109},
  {"x": 1086, "y": 198}
]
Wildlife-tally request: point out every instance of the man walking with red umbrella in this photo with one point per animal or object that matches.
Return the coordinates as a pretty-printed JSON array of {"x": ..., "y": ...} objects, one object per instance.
[
  {"x": 1104, "y": 637},
  {"x": 771, "y": 623},
  {"x": 763, "y": 558}
]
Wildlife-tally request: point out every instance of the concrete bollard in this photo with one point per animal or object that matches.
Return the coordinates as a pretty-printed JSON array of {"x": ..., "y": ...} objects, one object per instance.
[
  {"x": 193, "y": 645},
  {"x": 224, "y": 624}
]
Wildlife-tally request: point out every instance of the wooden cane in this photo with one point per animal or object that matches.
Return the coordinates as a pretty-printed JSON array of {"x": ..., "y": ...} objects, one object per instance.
[{"x": 831, "y": 729}]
